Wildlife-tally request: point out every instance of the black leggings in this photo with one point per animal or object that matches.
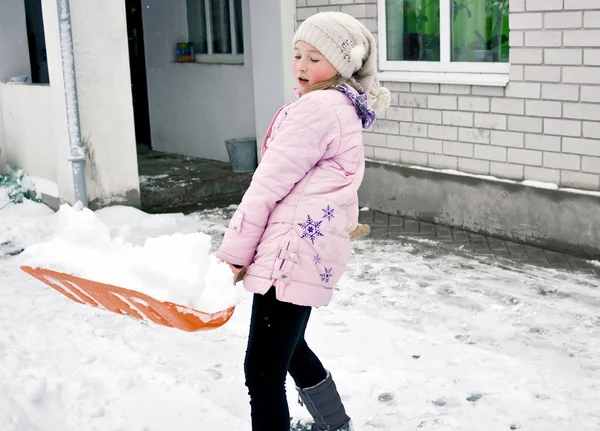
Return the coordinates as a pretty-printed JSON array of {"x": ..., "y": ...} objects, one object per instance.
[{"x": 276, "y": 345}]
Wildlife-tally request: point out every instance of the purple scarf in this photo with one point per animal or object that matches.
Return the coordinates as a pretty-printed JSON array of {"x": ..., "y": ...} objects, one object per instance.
[{"x": 360, "y": 102}]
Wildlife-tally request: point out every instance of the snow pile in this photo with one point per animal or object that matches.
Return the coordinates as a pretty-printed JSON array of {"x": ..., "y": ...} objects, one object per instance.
[
  {"x": 22, "y": 224},
  {"x": 176, "y": 268},
  {"x": 23, "y": 219},
  {"x": 416, "y": 337}
]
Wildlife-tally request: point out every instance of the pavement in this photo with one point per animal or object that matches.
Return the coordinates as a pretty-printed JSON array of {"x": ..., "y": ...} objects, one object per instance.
[
  {"x": 453, "y": 240},
  {"x": 176, "y": 183}
]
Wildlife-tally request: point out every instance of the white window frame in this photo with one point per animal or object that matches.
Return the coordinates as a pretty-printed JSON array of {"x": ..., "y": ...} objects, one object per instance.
[
  {"x": 219, "y": 58},
  {"x": 444, "y": 71}
]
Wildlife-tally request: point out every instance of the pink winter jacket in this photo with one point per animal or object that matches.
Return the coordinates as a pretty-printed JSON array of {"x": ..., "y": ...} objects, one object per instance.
[{"x": 292, "y": 226}]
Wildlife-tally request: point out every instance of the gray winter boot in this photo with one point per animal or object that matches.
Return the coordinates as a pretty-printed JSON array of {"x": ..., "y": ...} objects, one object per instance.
[{"x": 324, "y": 404}]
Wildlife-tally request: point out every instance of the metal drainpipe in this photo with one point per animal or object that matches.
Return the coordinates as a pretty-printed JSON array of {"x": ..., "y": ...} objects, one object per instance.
[{"x": 77, "y": 154}]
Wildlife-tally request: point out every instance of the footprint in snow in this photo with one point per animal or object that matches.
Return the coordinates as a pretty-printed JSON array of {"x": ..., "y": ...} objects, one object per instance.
[
  {"x": 215, "y": 374},
  {"x": 35, "y": 389},
  {"x": 386, "y": 397},
  {"x": 439, "y": 402},
  {"x": 474, "y": 397}
]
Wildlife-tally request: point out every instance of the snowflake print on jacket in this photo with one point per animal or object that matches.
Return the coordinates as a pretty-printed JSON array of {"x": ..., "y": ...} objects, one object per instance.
[
  {"x": 327, "y": 275},
  {"x": 328, "y": 213},
  {"x": 311, "y": 229},
  {"x": 316, "y": 259}
]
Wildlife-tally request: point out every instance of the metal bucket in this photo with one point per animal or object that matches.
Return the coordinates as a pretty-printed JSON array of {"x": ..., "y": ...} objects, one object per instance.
[{"x": 242, "y": 154}]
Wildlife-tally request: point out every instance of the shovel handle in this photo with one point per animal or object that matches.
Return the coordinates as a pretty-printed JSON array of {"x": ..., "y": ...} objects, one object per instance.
[{"x": 360, "y": 231}]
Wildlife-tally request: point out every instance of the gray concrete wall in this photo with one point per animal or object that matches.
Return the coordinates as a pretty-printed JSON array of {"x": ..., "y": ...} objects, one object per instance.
[{"x": 553, "y": 219}]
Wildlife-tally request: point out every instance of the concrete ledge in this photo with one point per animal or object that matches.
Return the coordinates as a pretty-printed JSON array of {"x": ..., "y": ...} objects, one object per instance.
[
  {"x": 552, "y": 219},
  {"x": 51, "y": 202}
]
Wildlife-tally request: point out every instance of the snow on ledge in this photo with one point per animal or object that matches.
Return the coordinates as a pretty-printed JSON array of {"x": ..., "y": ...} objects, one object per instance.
[
  {"x": 529, "y": 183},
  {"x": 44, "y": 186},
  {"x": 540, "y": 185}
]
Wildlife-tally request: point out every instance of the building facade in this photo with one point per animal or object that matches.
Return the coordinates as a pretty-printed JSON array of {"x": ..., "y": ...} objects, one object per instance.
[
  {"x": 540, "y": 121},
  {"x": 494, "y": 124}
]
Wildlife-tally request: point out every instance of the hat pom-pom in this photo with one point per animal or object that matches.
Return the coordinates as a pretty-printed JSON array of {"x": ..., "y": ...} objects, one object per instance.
[
  {"x": 357, "y": 55},
  {"x": 381, "y": 99}
]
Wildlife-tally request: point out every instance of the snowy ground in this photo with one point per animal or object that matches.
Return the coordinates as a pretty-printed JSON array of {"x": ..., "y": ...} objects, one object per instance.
[{"x": 417, "y": 339}]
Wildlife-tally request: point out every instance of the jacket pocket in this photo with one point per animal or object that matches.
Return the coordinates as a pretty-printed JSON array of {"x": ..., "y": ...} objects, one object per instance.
[{"x": 236, "y": 221}]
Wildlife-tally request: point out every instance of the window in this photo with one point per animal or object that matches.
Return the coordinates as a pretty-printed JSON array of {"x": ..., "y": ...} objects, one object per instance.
[
  {"x": 37, "y": 42},
  {"x": 216, "y": 30},
  {"x": 454, "y": 37}
]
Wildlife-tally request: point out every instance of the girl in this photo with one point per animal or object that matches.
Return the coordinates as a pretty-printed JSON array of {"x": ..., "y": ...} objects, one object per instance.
[{"x": 291, "y": 231}]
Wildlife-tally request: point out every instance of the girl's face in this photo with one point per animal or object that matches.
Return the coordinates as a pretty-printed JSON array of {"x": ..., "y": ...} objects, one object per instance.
[{"x": 310, "y": 67}]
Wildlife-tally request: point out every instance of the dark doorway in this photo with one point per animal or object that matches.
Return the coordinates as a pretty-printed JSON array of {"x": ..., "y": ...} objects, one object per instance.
[
  {"x": 137, "y": 65},
  {"x": 37, "y": 42}
]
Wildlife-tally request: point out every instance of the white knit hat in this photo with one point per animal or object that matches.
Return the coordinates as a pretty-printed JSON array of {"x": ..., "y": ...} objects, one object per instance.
[{"x": 350, "y": 48}]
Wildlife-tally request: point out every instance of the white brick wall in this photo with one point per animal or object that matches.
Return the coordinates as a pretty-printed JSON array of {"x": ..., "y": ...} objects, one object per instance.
[
  {"x": 591, "y": 19},
  {"x": 443, "y": 132},
  {"x": 507, "y": 170},
  {"x": 442, "y": 102},
  {"x": 458, "y": 149},
  {"x": 592, "y": 57},
  {"x": 543, "y": 38},
  {"x": 525, "y": 124},
  {"x": 491, "y": 121},
  {"x": 581, "y": 75},
  {"x": 542, "y": 73},
  {"x": 579, "y": 180},
  {"x": 542, "y": 142},
  {"x": 489, "y": 152},
  {"x": 527, "y": 157},
  {"x": 581, "y": 4},
  {"x": 590, "y": 94},
  {"x": 563, "y": 20},
  {"x": 562, "y": 127},
  {"x": 442, "y": 162},
  {"x": 508, "y": 139},
  {"x": 591, "y": 130},
  {"x": 542, "y": 174},
  {"x": 590, "y": 164},
  {"x": 562, "y": 161},
  {"x": 428, "y": 116},
  {"x": 543, "y": 108},
  {"x": 527, "y": 56},
  {"x": 458, "y": 118},
  {"x": 526, "y": 21},
  {"x": 544, "y": 5},
  {"x": 504, "y": 105},
  {"x": 560, "y": 92},
  {"x": 563, "y": 56},
  {"x": 473, "y": 166},
  {"x": 478, "y": 136},
  {"x": 481, "y": 104},
  {"x": 544, "y": 125}
]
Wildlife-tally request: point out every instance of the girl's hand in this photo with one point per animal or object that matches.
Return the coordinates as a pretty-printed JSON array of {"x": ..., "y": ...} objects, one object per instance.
[{"x": 236, "y": 269}]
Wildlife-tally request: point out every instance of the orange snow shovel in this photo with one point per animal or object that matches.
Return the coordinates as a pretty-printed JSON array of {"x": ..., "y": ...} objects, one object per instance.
[
  {"x": 139, "y": 305},
  {"x": 129, "y": 302}
]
